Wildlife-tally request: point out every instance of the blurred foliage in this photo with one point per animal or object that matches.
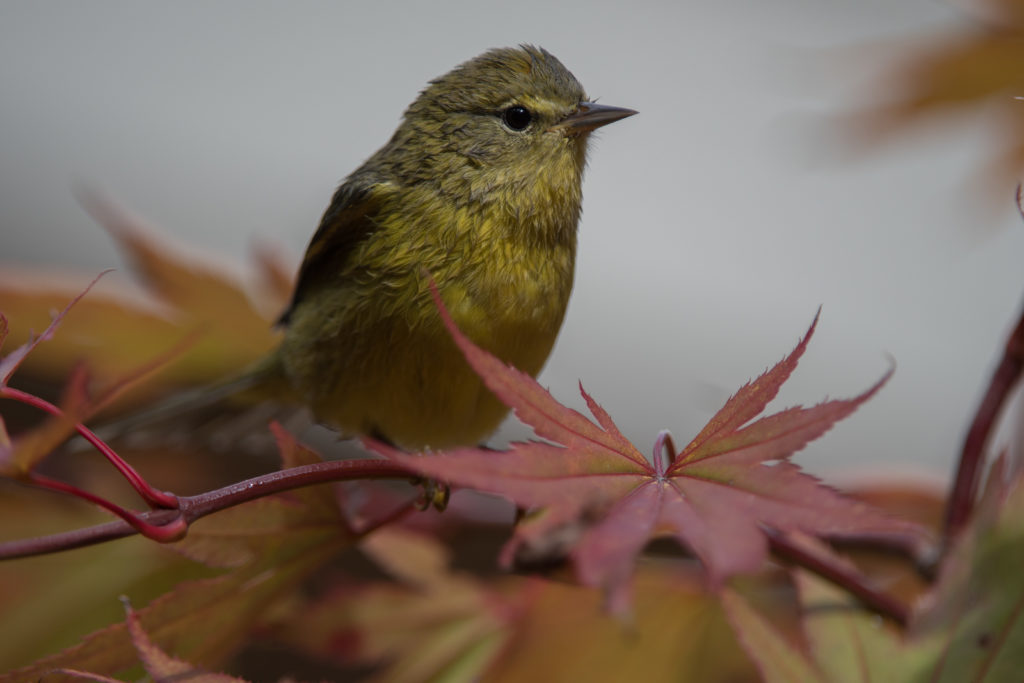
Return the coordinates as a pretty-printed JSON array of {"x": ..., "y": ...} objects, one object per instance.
[
  {"x": 976, "y": 67},
  {"x": 295, "y": 576},
  {"x": 968, "y": 628}
]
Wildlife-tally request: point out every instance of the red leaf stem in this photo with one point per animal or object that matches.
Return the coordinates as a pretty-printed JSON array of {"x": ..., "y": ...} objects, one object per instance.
[{"x": 153, "y": 497}]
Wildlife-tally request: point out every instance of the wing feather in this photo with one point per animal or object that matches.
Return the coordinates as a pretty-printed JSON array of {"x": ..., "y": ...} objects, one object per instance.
[{"x": 347, "y": 222}]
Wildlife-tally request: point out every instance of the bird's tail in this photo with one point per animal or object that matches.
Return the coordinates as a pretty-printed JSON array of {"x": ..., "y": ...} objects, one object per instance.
[{"x": 219, "y": 416}]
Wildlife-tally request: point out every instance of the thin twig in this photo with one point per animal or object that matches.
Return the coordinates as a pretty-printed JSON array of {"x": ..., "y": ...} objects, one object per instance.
[
  {"x": 163, "y": 533},
  {"x": 846, "y": 577},
  {"x": 153, "y": 497},
  {"x": 195, "y": 507},
  {"x": 965, "y": 486}
]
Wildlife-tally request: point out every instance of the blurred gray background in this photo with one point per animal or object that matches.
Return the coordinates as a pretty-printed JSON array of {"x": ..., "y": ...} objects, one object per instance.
[{"x": 715, "y": 222}]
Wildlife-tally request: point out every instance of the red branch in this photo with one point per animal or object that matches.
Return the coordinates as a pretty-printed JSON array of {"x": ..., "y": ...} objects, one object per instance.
[
  {"x": 846, "y": 577},
  {"x": 965, "y": 487},
  {"x": 191, "y": 508}
]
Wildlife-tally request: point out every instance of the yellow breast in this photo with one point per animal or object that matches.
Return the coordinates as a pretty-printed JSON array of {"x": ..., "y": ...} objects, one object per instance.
[{"x": 373, "y": 357}]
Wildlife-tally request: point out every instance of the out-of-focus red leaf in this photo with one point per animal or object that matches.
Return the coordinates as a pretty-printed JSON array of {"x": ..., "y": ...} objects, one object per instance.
[
  {"x": 410, "y": 557},
  {"x": 202, "y": 621},
  {"x": 79, "y": 402},
  {"x": 977, "y": 609},
  {"x": 19, "y": 455},
  {"x": 778, "y": 660},
  {"x": 74, "y": 674},
  {"x": 275, "y": 276},
  {"x": 5, "y": 438},
  {"x": 160, "y": 665},
  {"x": 5, "y": 442},
  {"x": 968, "y": 628},
  {"x": 677, "y": 632},
  {"x": 979, "y": 66},
  {"x": 48, "y": 602},
  {"x": 844, "y": 643},
  {"x": 13, "y": 359},
  {"x": 715, "y": 497},
  {"x": 434, "y": 624},
  {"x": 439, "y": 624},
  {"x": 120, "y": 324},
  {"x": 851, "y": 644},
  {"x": 270, "y": 545},
  {"x": 28, "y": 448},
  {"x": 201, "y": 295}
]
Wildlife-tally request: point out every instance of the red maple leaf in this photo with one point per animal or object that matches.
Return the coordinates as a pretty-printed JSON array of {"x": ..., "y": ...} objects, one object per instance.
[{"x": 721, "y": 496}]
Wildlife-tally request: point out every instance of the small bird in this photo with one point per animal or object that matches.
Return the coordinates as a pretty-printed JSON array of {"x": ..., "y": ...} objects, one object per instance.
[{"x": 478, "y": 190}]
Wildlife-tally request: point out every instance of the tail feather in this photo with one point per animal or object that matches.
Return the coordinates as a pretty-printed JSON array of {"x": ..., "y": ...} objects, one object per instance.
[{"x": 218, "y": 417}]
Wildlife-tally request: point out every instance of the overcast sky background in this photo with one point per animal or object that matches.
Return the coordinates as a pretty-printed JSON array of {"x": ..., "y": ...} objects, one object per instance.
[{"x": 715, "y": 222}]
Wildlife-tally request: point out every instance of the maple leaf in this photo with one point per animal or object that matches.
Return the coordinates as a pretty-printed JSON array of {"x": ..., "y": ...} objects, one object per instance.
[
  {"x": 160, "y": 665},
  {"x": 18, "y": 455},
  {"x": 717, "y": 497},
  {"x": 968, "y": 628},
  {"x": 79, "y": 401},
  {"x": 203, "y": 621},
  {"x": 13, "y": 360},
  {"x": 976, "y": 68},
  {"x": 437, "y": 623},
  {"x": 183, "y": 296},
  {"x": 432, "y": 623},
  {"x": 271, "y": 547},
  {"x": 677, "y": 632},
  {"x": 842, "y": 642},
  {"x": 976, "y": 610}
]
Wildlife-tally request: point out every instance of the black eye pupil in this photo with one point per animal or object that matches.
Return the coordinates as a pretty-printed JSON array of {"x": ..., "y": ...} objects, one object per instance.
[{"x": 517, "y": 117}]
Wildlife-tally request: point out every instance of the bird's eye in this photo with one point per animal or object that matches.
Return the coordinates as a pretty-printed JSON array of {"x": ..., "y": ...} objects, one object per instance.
[{"x": 517, "y": 117}]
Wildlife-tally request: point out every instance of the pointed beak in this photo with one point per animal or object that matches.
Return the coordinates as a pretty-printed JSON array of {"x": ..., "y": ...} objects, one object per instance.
[{"x": 589, "y": 115}]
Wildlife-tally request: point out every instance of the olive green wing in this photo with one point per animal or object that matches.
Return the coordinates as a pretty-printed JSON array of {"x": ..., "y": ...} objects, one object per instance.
[{"x": 347, "y": 222}]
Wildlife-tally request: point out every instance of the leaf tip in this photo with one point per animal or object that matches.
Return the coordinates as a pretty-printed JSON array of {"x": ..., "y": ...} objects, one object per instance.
[
  {"x": 814, "y": 325},
  {"x": 461, "y": 340},
  {"x": 877, "y": 386},
  {"x": 102, "y": 208}
]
